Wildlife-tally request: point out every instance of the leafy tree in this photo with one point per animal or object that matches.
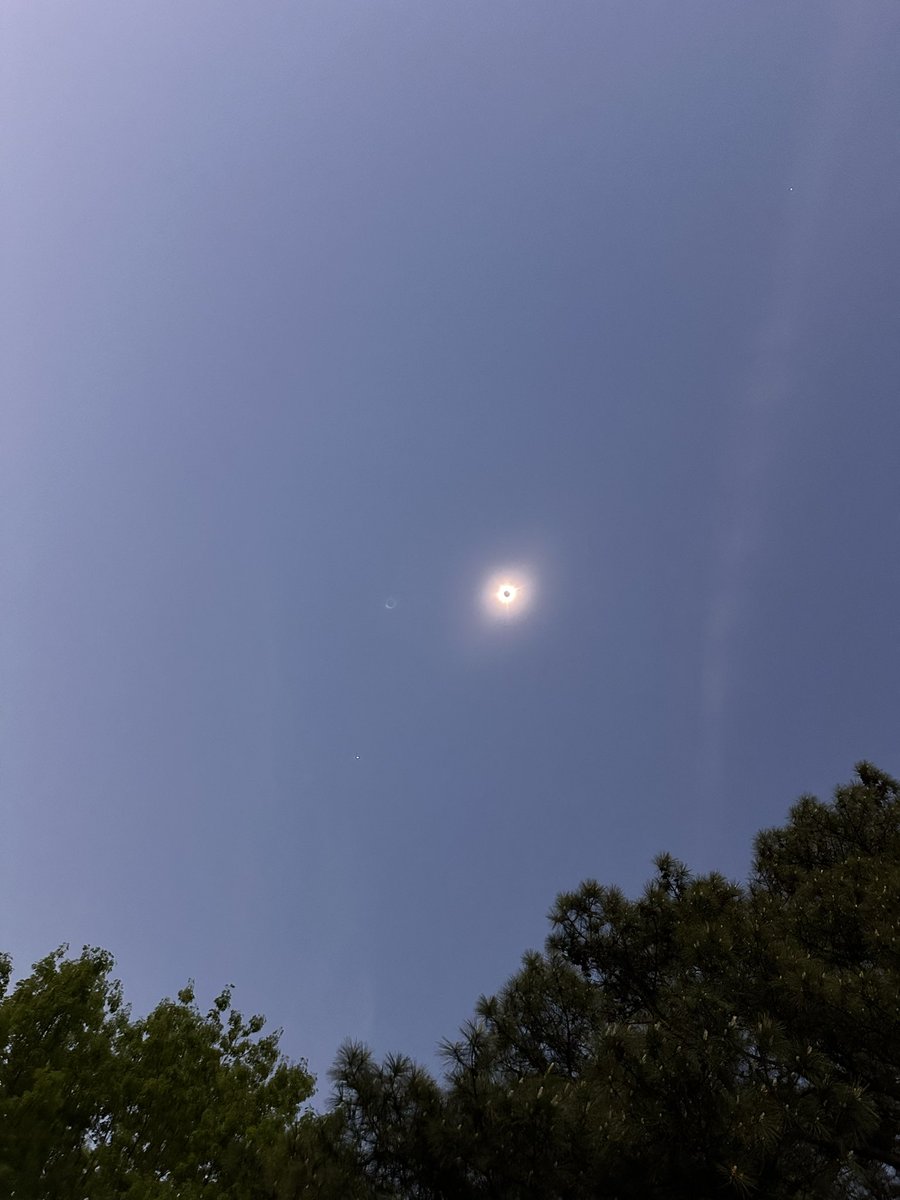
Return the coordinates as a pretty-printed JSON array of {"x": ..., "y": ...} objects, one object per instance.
[
  {"x": 96, "y": 1105},
  {"x": 703, "y": 1040},
  {"x": 56, "y": 1069}
]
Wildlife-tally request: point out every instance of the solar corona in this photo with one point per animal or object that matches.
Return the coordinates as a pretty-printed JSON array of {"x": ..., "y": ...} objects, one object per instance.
[{"x": 507, "y": 595}]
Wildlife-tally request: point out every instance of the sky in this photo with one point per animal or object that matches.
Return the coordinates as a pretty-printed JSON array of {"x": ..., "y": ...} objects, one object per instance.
[{"x": 319, "y": 316}]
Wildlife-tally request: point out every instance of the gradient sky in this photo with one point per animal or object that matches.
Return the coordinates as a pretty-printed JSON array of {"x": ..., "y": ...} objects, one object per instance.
[{"x": 311, "y": 305}]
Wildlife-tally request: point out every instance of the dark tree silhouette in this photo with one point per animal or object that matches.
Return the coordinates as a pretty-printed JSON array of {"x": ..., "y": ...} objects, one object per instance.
[{"x": 707, "y": 1039}]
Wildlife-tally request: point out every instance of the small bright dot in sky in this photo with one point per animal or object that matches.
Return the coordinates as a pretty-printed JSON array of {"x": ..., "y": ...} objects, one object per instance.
[{"x": 507, "y": 593}]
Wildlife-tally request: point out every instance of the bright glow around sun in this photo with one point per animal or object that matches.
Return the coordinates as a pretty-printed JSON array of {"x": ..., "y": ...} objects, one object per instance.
[{"x": 508, "y": 594}]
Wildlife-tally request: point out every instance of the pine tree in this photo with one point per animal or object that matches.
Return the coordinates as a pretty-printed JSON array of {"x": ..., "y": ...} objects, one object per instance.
[{"x": 706, "y": 1039}]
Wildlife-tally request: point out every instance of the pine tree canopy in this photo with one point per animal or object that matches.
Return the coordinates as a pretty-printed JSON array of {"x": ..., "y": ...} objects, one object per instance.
[{"x": 704, "y": 1040}]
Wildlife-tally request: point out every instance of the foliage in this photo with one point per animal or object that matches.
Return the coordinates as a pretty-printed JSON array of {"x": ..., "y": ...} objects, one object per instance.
[
  {"x": 704, "y": 1040},
  {"x": 96, "y": 1105}
]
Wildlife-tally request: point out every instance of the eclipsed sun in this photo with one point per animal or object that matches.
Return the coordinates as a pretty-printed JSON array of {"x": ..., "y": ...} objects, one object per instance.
[{"x": 508, "y": 595}]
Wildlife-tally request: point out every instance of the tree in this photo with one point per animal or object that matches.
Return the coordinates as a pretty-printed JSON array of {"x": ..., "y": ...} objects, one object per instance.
[
  {"x": 706, "y": 1039},
  {"x": 56, "y": 1066},
  {"x": 96, "y": 1105}
]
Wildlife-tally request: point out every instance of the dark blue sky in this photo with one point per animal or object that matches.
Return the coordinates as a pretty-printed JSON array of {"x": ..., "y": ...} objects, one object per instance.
[{"x": 307, "y": 306}]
